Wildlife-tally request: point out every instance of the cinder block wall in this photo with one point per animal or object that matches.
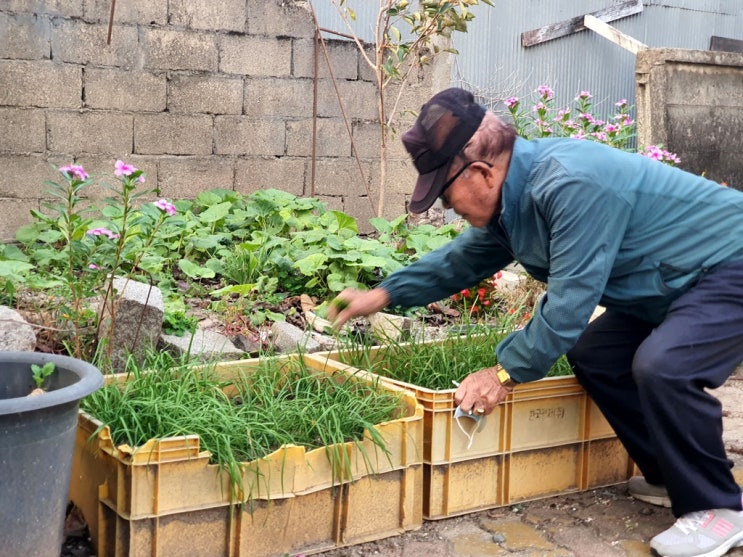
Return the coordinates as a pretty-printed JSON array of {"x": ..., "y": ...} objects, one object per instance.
[
  {"x": 691, "y": 102},
  {"x": 197, "y": 93}
]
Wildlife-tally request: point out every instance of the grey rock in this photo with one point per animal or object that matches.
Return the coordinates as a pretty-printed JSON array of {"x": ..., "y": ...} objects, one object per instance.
[
  {"x": 15, "y": 332},
  {"x": 203, "y": 345},
  {"x": 137, "y": 321},
  {"x": 288, "y": 338}
]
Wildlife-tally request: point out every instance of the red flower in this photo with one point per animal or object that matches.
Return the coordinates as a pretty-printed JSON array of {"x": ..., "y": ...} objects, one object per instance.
[
  {"x": 486, "y": 303},
  {"x": 465, "y": 292},
  {"x": 455, "y": 297},
  {"x": 527, "y": 316},
  {"x": 498, "y": 275},
  {"x": 481, "y": 293}
]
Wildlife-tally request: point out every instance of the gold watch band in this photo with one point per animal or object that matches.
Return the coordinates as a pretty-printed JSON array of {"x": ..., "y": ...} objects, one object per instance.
[{"x": 504, "y": 378}]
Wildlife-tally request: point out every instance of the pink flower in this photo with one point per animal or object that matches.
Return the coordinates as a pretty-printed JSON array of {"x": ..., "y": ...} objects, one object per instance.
[
  {"x": 74, "y": 170},
  {"x": 611, "y": 128},
  {"x": 621, "y": 103},
  {"x": 93, "y": 267},
  {"x": 545, "y": 92},
  {"x": 103, "y": 232},
  {"x": 511, "y": 102},
  {"x": 165, "y": 205},
  {"x": 584, "y": 95},
  {"x": 123, "y": 169}
]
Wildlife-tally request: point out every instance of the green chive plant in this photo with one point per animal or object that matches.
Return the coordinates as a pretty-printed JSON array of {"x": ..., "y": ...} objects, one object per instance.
[
  {"x": 247, "y": 417},
  {"x": 437, "y": 365}
]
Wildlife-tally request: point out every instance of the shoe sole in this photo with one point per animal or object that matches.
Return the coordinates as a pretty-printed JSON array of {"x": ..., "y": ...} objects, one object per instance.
[{"x": 657, "y": 500}]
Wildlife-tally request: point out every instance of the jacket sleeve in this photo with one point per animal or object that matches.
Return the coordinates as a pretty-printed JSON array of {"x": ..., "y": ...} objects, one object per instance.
[
  {"x": 586, "y": 225},
  {"x": 463, "y": 262}
]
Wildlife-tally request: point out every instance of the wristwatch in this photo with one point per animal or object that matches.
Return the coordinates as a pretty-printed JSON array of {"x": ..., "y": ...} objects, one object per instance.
[{"x": 505, "y": 379}]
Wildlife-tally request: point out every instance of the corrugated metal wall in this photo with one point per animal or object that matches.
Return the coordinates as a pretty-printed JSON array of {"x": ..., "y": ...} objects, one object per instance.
[{"x": 492, "y": 61}]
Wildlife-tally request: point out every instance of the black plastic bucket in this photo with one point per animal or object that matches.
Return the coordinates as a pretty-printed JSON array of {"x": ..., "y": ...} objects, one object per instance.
[{"x": 37, "y": 440}]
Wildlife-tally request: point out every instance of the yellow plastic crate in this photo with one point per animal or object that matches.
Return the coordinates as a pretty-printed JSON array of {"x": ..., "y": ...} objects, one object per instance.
[
  {"x": 165, "y": 498},
  {"x": 547, "y": 438}
]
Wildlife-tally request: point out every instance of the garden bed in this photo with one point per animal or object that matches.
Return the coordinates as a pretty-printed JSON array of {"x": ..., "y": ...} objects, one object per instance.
[{"x": 139, "y": 500}]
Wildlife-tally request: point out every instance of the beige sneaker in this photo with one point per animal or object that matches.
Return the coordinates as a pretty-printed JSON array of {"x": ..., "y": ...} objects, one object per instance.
[{"x": 649, "y": 493}]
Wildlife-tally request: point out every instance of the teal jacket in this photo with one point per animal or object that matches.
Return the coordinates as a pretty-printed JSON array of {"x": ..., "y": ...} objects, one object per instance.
[{"x": 599, "y": 226}]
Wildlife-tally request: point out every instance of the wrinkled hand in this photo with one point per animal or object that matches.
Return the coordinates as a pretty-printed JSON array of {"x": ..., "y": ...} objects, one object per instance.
[
  {"x": 480, "y": 392},
  {"x": 356, "y": 303}
]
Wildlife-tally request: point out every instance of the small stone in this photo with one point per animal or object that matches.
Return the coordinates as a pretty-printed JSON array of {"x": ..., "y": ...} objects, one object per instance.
[{"x": 499, "y": 538}]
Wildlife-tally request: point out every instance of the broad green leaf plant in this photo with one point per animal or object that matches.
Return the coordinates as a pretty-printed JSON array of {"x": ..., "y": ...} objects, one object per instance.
[{"x": 237, "y": 252}]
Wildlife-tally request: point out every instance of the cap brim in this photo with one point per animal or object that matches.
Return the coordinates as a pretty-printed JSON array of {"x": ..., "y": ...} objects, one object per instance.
[{"x": 428, "y": 188}]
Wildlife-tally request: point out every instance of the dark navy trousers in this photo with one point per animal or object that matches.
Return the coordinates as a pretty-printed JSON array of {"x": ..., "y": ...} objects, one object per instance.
[{"x": 651, "y": 382}]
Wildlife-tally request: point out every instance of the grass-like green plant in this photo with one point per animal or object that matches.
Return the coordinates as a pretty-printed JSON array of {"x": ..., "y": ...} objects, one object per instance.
[
  {"x": 274, "y": 403},
  {"x": 434, "y": 365}
]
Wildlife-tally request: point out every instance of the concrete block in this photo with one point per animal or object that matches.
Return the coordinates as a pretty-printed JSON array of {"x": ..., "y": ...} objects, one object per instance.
[
  {"x": 78, "y": 42},
  {"x": 367, "y": 136},
  {"x": 24, "y": 176},
  {"x": 255, "y": 56},
  {"x": 205, "y": 94},
  {"x": 279, "y": 18},
  {"x": 172, "y": 134},
  {"x": 142, "y": 12},
  {"x": 278, "y": 98},
  {"x": 186, "y": 177},
  {"x": 332, "y": 139},
  {"x": 343, "y": 57},
  {"x": 214, "y": 15},
  {"x": 340, "y": 176},
  {"x": 242, "y": 135},
  {"x": 67, "y": 8},
  {"x": 89, "y": 132},
  {"x": 166, "y": 49},
  {"x": 363, "y": 208},
  {"x": 359, "y": 100},
  {"x": 16, "y": 213},
  {"x": 130, "y": 91},
  {"x": 700, "y": 84},
  {"x": 40, "y": 83},
  {"x": 24, "y": 130},
  {"x": 202, "y": 345},
  {"x": 400, "y": 177},
  {"x": 25, "y": 36},
  {"x": 257, "y": 173}
]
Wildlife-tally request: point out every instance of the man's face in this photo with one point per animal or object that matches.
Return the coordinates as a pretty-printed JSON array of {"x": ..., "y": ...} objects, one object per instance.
[{"x": 473, "y": 192}]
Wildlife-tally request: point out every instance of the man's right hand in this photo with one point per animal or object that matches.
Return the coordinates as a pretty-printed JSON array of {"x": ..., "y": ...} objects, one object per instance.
[{"x": 356, "y": 303}]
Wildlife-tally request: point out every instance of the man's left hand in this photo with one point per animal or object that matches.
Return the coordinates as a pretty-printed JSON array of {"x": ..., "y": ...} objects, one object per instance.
[{"x": 480, "y": 392}]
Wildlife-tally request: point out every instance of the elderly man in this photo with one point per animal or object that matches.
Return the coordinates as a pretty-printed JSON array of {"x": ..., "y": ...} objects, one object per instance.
[{"x": 661, "y": 249}]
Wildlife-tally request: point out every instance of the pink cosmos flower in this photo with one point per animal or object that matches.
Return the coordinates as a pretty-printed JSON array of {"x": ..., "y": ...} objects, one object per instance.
[
  {"x": 165, "y": 205},
  {"x": 123, "y": 169},
  {"x": 75, "y": 170}
]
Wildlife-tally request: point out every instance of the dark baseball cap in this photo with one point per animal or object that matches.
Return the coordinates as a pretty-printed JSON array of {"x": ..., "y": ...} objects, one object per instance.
[{"x": 444, "y": 126}]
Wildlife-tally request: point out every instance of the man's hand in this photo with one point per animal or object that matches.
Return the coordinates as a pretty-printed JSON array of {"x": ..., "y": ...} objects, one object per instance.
[
  {"x": 355, "y": 303},
  {"x": 480, "y": 392}
]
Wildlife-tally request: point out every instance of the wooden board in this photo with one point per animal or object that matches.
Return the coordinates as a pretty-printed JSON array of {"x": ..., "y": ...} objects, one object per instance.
[
  {"x": 574, "y": 25},
  {"x": 613, "y": 34},
  {"x": 725, "y": 45}
]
